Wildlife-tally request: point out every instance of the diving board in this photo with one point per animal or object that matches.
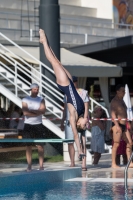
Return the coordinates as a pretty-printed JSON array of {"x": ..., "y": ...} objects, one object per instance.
[{"x": 35, "y": 140}]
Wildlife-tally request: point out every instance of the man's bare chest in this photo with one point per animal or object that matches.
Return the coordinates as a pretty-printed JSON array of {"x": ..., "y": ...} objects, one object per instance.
[{"x": 121, "y": 107}]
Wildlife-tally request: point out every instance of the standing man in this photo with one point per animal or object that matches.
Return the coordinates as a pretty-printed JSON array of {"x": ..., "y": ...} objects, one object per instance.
[
  {"x": 68, "y": 130},
  {"x": 119, "y": 127},
  {"x": 33, "y": 108}
]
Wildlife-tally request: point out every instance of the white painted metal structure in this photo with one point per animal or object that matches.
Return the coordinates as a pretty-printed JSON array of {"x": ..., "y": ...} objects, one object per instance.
[{"x": 14, "y": 75}]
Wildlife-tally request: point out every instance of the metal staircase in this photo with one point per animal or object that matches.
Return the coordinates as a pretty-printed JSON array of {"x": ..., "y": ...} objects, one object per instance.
[{"x": 16, "y": 75}]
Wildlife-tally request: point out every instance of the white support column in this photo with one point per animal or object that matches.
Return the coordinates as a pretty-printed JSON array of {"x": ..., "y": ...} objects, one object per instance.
[{"x": 66, "y": 153}]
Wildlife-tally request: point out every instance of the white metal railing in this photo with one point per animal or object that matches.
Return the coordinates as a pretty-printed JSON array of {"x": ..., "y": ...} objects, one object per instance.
[
  {"x": 41, "y": 65},
  {"x": 20, "y": 65},
  {"x": 15, "y": 83},
  {"x": 26, "y": 71},
  {"x": 80, "y": 39},
  {"x": 17, "y": 66},
  {"x": 92, "y": 105}
]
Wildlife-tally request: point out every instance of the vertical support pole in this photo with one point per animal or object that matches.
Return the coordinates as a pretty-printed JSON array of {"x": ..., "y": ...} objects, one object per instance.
[
  {"x": 86, "y": 38},
  {"x": 49, "y": 20},
  {"x": 31, "y": 34}
]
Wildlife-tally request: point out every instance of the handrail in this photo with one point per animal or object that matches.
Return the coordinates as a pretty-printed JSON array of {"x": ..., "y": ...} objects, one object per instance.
[
  {"x": 34, "y": 77},
  {"x": 92, "y": 106},
  {"x": 27, "y": 64},
  {"x": 39, "y": 62},
  {"x": 125, "y": 173},
  {"x": 33, "y": 69},
  {"x": 29, "y": 67},
  {"x": 29, "y": 83},
  {"x": 30, "y": 77}
]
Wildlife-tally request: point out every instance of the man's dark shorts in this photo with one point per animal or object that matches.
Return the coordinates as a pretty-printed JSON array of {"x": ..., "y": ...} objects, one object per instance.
[
  {"x": 35, "y": 131},
  {"x": 124, "y": 129}
]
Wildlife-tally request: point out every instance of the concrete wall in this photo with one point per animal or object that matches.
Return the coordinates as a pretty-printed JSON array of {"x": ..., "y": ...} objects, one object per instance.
[
  {"x": 70, "y": 2},
  {"x": 77, "y": 10},
  {"x": 104, "y": 7},
  {"x": 16, "y": 4}
]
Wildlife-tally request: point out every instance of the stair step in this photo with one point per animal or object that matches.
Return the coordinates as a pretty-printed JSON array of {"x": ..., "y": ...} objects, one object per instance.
[
  {"x": 19, "y": 91},
  {"x": 87, "y": 143},
  {"x": 57, "y": 122},
  {"x": 58, "y": 125},
  {"x": 10, "y": 84},
  {"x": 47, "y": 113},
  {"x": 4, "y": 73},
  {"x": 3, "y": 79},
  {"x": 59, "y": 114},
  {"x": 22, "y": 96},
  {"x": 88, "y": 138},
  {"x": 50, "y": 107},
  {"x": 86, "y": 20}
]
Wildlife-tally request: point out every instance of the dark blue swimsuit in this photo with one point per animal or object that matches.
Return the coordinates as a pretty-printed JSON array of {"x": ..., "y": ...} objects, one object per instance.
[{"x": 73, "y": 97}]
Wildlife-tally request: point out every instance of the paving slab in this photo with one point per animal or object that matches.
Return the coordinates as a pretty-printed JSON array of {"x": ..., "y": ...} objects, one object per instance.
[{"x": 102, "y": 170}]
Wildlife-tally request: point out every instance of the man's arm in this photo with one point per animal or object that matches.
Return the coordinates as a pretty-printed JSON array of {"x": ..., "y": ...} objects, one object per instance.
[
  {"x": 113, "y": 113},
  {"x": 113, "y": 109},
  {"x": 41, "y": 110},
  {"x": 27, "y": 112}
]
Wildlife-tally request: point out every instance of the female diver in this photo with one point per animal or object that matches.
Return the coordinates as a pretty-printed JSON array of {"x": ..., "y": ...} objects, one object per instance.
[{"x": 64, "y": 82}]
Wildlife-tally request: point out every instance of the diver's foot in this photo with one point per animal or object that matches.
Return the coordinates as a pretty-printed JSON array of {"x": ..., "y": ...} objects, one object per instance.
[
  {"x": 72, "y": 165},
  {"x": 42, "y": 36},
  {"x": 84, "y": 169},
  {"x": 115, "y": 166},
  {"x": 28, "y": 169},
  {"x": 41, "y": 168}
]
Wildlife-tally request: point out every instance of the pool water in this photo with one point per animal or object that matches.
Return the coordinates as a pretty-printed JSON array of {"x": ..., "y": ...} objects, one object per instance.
[{"x": 68, "y": 191}]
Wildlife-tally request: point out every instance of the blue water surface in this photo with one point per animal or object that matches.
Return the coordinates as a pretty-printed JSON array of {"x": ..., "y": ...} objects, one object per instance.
[{"x": 67, "y": 191}]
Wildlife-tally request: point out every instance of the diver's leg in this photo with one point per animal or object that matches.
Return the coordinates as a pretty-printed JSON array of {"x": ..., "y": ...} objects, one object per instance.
[{"x": 60, "y": 73}]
